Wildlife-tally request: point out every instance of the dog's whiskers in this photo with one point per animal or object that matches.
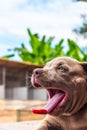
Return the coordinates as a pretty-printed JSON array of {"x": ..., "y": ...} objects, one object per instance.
[
  {"x": 28, "y": 77},
  {"x": 28, "y": 81}
]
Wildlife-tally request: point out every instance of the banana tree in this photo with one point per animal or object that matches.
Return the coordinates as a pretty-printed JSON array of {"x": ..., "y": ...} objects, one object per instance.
[{"x": 43, "y": 50}]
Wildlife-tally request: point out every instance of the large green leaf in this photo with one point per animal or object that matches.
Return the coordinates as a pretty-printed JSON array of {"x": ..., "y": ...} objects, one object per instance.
[
  {"x": 43, "y": 49},
  {"x": 75, "y": 51},
  {"x": 8, "y": 56}
]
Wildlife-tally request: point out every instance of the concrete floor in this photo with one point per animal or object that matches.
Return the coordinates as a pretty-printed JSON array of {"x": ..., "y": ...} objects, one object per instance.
[{"x": 27, "y": 125}]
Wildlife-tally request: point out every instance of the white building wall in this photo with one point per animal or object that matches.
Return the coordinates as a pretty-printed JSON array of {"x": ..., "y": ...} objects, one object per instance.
[
  {"x": 20, "y": 93},
  {"x": 2, "y": 92},
  {"x": 38, "y": 94}
]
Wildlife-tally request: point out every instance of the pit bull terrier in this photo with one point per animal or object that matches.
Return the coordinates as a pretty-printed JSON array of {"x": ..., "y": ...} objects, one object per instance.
[{"x": 65, "y": 80}]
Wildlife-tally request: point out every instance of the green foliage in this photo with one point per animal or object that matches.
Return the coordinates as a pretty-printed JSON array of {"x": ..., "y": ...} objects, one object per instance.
[
  {"x": 43, "y": 50},
  {"x": 8, "y": 56},
  {"x": 75, "y": 51}
]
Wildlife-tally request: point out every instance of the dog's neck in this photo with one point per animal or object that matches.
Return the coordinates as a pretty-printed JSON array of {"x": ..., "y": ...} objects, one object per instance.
[{"x": 77, "y": 121}]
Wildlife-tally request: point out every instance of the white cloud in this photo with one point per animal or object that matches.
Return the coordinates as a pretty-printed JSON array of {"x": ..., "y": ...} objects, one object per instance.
[{"x": 53, "y": 18}]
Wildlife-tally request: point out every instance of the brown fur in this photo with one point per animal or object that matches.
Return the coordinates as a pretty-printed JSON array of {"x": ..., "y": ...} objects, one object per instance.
[{"x": 73, "y": 79}]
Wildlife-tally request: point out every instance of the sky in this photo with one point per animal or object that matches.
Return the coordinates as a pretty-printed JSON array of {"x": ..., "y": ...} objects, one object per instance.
[{"x": 46, "y": 17}]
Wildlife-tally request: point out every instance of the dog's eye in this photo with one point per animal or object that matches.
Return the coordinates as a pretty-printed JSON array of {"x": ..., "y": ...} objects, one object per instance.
[{"x": 61, "y": 68}]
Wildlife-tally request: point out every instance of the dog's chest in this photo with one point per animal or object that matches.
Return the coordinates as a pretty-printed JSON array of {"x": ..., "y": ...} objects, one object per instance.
[{"x": 72, "y": 124}]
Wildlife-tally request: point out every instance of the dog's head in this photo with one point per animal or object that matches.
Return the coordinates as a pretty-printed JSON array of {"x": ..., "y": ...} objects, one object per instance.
[{"x": 65, "y": 79}]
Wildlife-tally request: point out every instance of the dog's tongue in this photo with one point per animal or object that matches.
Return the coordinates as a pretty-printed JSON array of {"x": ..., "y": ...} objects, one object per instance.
[{"x": 50, "y": 106}]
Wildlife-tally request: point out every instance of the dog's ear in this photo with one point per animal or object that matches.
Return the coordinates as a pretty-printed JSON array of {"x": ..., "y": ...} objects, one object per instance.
[{"x": 84, "y": 65}]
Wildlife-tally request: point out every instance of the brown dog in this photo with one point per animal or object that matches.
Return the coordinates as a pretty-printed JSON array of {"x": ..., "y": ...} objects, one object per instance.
[{"x": 65, "y": 79}]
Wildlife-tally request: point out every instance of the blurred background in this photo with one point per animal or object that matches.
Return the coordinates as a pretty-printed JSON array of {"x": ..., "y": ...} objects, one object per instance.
[{"x": 32, "y": 33}]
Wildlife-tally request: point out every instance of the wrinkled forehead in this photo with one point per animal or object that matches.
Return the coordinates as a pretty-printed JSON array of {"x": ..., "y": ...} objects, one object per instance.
[{"x": 60, "y": 61}]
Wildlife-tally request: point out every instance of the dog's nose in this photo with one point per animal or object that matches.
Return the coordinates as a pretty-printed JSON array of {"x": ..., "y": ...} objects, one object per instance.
[{"x": 37, "y": 72}]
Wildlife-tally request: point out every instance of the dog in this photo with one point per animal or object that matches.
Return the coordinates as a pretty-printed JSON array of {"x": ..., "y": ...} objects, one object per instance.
[{"x": 65, "y": 80}]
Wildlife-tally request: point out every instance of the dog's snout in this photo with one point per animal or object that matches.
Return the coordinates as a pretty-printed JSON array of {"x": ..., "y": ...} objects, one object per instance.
[{"x": 37, "y": 72}]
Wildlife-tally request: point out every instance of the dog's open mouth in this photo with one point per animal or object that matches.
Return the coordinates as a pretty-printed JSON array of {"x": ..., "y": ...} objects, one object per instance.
[{"x": 57, "y": 98}]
